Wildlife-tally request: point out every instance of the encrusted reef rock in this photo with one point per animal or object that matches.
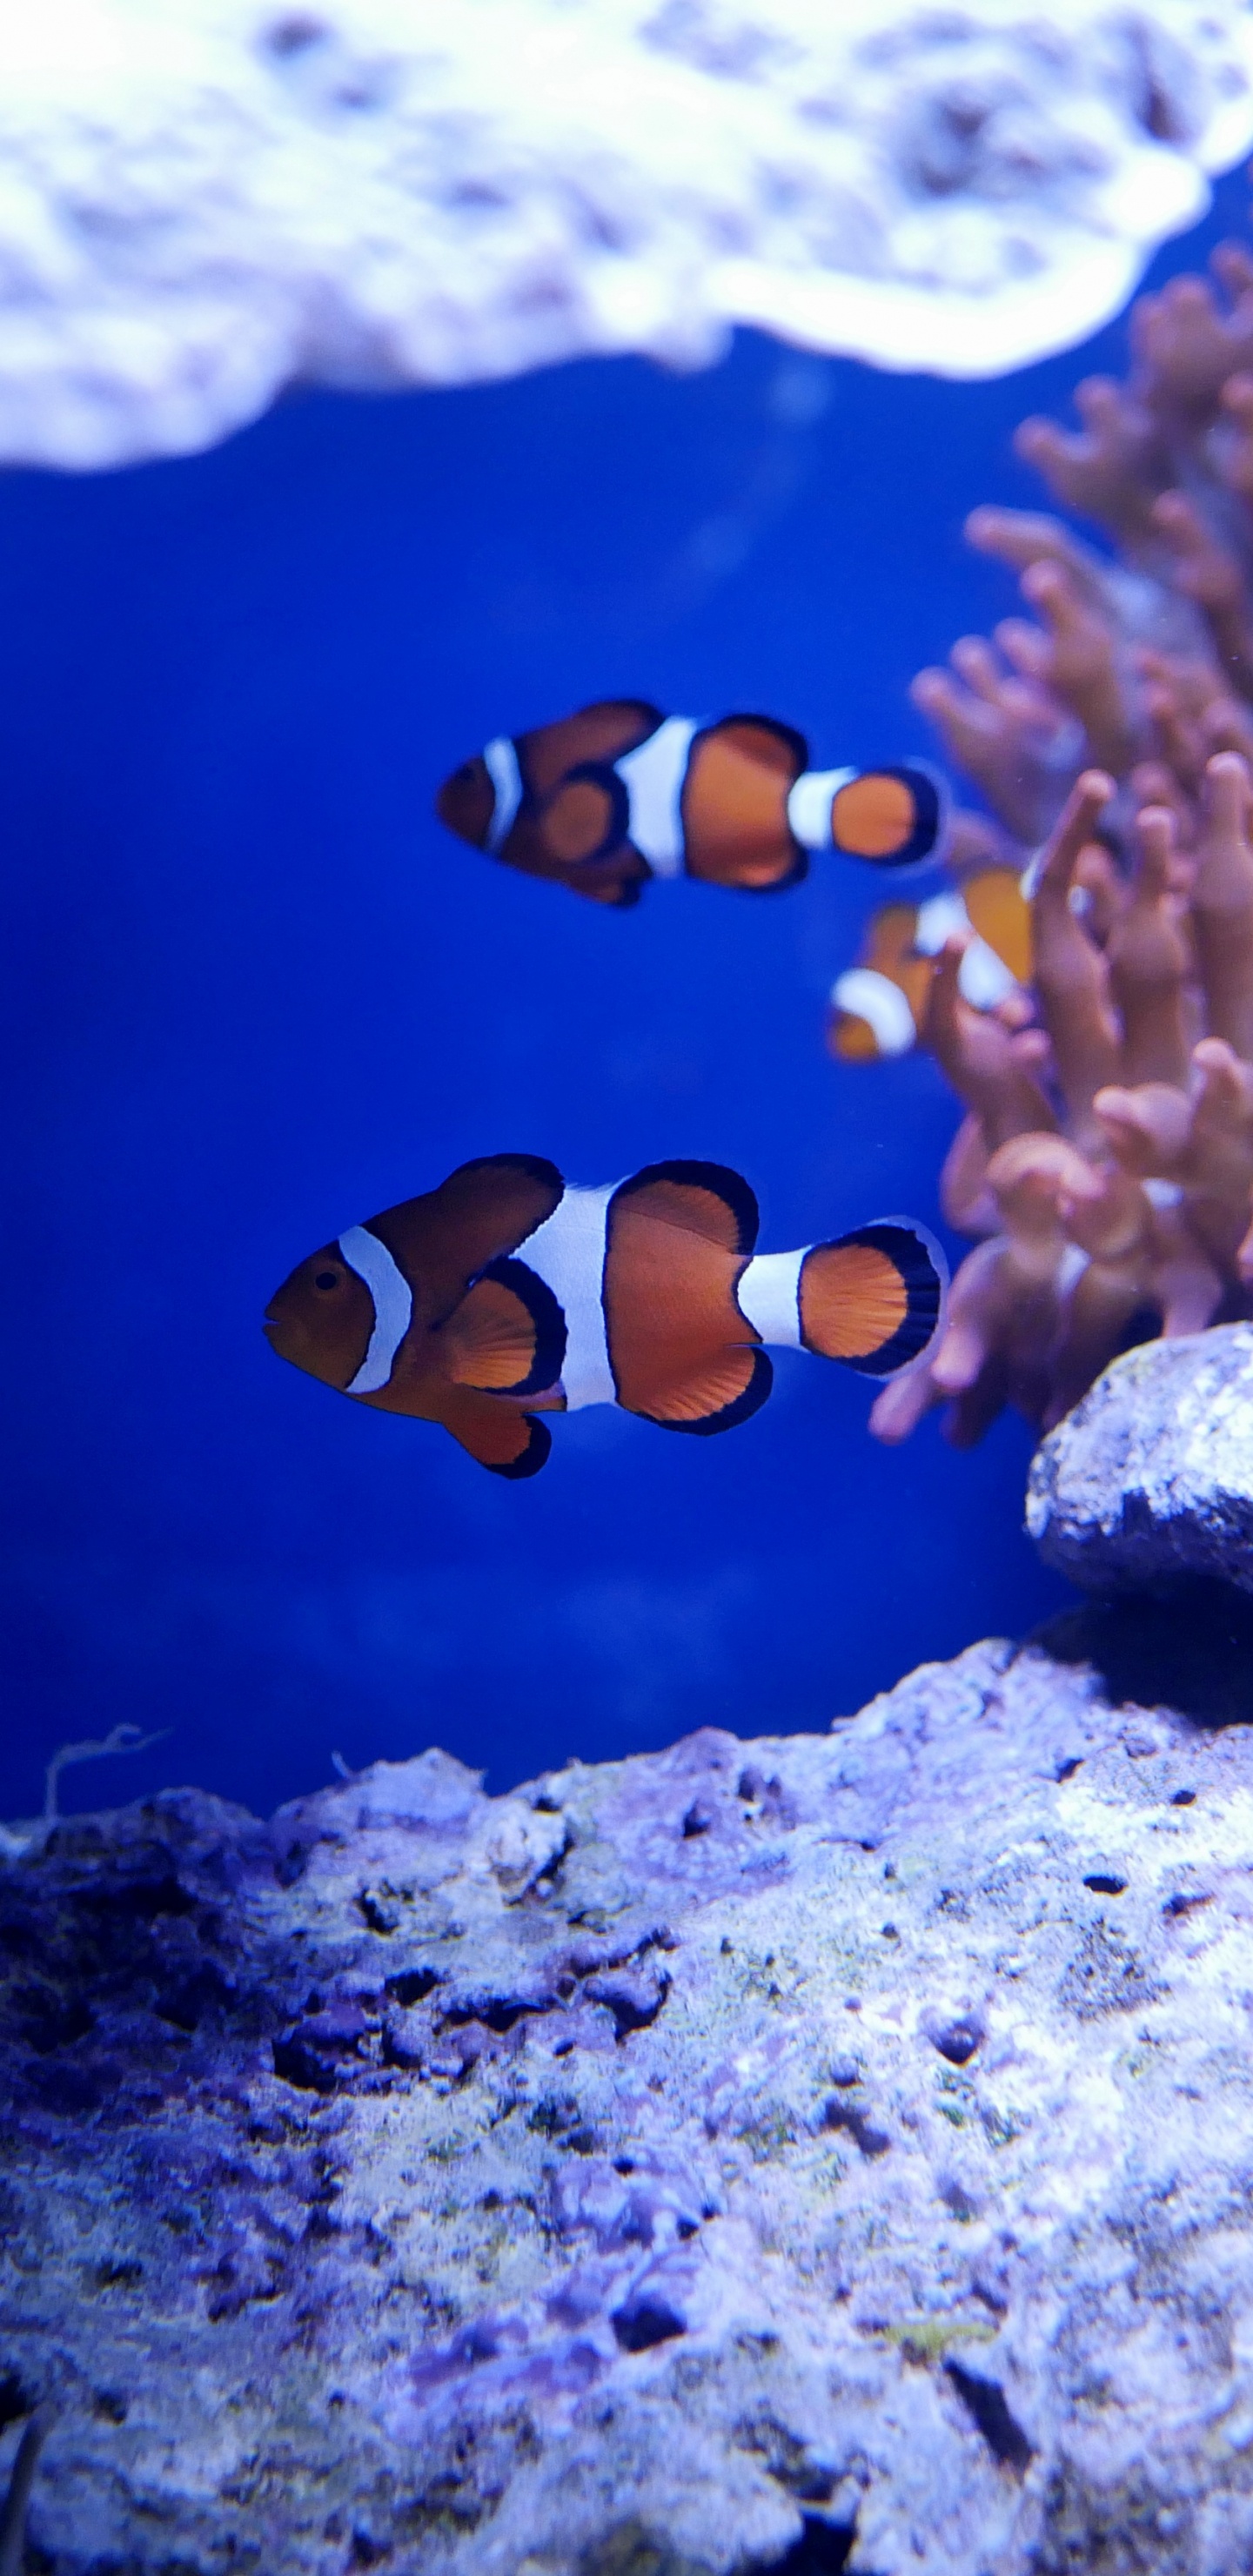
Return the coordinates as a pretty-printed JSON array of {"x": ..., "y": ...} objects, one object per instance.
[
  {"x": 830, "y": 2150},
  {"x": 1150, "y": 1479},
  {"x": 202, "y": 203}
]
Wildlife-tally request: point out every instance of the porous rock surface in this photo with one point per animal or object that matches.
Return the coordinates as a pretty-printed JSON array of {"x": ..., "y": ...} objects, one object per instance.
[
  {"x": 828, "y": 2150},
  {"x": 200, "y": 204},
  {"x": 1151, "y": 1477}
]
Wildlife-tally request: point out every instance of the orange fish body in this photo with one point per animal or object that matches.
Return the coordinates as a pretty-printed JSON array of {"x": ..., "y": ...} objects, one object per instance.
[
  {"x": 877, "y": 1006},
  {"x": 505, "y": 1294},
  {"x": 609, "y": 798}
]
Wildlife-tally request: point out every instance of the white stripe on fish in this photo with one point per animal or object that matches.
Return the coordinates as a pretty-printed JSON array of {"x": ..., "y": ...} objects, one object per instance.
[
  {"x": 768, "y": 1293},
  {"x": 867, "y": 995},
  {"x": 809, "y": 805},
  {"x": 653, "y": 776},
  {"x": 568, "y": 1253},
  {"x": 500, "y": 760},
  {"x": 983, "y": 978},
  {"x": 393, "y": 1306}
]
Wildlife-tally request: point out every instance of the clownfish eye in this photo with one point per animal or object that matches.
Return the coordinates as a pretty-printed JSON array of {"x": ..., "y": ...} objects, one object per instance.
[{"x": 326, "y": 1279}]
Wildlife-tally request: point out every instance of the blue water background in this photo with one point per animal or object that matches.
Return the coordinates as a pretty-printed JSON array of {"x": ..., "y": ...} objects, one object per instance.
[{"x": 252, "y": 993}]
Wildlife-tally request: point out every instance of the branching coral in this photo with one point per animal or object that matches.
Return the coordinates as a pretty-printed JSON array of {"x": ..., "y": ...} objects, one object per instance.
[
  {"x": 16, "y": 1840},
  {"x": 1106, "y": 1156}
]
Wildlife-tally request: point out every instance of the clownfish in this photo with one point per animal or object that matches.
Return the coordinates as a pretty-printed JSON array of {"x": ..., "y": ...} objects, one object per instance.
[
  {"x": 506, "y": 1294},
  {"x": 877, "y": 1006},
  {"x": 619, "y": 793}
]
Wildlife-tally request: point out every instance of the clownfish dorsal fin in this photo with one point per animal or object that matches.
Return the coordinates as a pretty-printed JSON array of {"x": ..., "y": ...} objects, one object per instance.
[
  {"x": 602, "y": 731},
  {"x": 873, "y": 1299},
  {"x": 680, "y": 1350},
  {"x": 707, "y": 1199},
  {"x": 449, "y": 1236}
]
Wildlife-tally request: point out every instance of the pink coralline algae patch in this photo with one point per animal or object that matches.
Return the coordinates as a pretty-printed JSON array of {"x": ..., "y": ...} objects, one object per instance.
[{"x": 1105, "y": 1161}]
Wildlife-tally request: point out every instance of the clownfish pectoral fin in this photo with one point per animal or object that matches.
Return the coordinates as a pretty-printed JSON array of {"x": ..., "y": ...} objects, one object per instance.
[
  {"x": 508, "y": 1334},
  {"x": 875, "y": 1298},
  {"x": 890, "y": 816},
  {"x": 496, "y": 1435}
]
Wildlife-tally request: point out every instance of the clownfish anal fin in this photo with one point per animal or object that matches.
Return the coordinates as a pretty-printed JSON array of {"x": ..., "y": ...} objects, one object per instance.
[
  {"x": 509, "y": 1332},
  {"x": 726, "y": 1394},
  {"x": 620, "y": 891},
  {"x": 707, "y": 1199},
  {"x": 496, "y": 1435},
  {"x": 529, "y": 1460},
  {"x": 874, "y": 1299}
]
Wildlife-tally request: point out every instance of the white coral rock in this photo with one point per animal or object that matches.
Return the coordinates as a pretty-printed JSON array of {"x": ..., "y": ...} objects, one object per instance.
[
  {"x": 201, "y": 204},
  {"x": 1151, "y": 1477}
]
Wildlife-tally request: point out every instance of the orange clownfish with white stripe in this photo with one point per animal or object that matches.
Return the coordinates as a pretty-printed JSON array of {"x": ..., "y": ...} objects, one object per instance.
[
  {"x": 505, "y": 1295},
  {"x": 619, "y": 793},
  {"x": 877, "y": 1007}
]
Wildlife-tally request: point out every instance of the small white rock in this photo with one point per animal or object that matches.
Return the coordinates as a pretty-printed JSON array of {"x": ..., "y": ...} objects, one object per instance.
[{"x": 1151, "y": 1477}]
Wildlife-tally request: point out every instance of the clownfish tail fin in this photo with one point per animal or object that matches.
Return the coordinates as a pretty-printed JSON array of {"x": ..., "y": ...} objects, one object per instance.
[
  {"x": 875, "y": 1298},
  {"x": 894, "y": 816}
]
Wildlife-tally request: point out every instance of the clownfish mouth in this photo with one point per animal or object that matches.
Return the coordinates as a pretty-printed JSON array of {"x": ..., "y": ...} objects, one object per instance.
[{"x": 272, "y": 1327}]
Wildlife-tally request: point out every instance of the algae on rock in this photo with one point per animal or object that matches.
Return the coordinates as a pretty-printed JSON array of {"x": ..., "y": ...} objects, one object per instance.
[{"x": 832, "y": 2144}]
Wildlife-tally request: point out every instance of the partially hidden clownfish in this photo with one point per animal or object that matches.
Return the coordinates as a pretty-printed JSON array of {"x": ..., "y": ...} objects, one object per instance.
[
  {"x": 505, "y": 1294},
  {"x": 877, "y": 1006},
  {"x": 609, "y": 798}
]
